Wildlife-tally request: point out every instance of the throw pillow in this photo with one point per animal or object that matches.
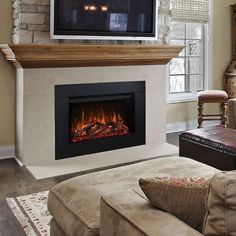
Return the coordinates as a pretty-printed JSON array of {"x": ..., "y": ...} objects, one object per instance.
[
  {"x": 220, "y": 219},
  {"x": 183, "y": 197}
]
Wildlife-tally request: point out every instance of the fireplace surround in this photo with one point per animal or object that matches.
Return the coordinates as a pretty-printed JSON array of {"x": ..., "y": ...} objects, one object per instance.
[
  {"x": 98, "y": 117},
  {"x": 39, "y": 68}
]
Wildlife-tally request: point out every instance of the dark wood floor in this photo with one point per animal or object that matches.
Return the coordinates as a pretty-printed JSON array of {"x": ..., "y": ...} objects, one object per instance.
[{"x": 16, "y": 181}]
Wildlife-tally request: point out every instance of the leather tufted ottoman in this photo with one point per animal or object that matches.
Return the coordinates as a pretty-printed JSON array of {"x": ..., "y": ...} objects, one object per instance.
[{"x": 215, "y": 146}]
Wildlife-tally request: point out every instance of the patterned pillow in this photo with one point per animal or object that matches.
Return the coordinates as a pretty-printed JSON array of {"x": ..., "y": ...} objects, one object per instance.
[{"x": 183, "y": 197}]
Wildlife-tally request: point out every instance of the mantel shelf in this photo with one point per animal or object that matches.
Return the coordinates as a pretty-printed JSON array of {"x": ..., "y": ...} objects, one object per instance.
[{"x": 63, "y": 55}]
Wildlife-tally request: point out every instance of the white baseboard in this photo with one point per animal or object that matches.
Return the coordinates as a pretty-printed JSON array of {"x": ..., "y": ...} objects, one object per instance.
[
  {"x": 7, "y": 152},
  {"x": 187, "y": 125},
  {"x": 19, "y": 162}
]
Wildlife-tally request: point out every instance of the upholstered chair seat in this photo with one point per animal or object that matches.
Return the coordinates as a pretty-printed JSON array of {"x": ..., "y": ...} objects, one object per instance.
[{"x": 212, "y": 96}]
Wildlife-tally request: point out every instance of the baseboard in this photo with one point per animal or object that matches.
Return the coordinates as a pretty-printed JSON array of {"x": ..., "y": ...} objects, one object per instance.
[
  {"x": 7, "y": 152},
  {"x": 19, "y": 162},
  {"x": 187, "y": 125}
]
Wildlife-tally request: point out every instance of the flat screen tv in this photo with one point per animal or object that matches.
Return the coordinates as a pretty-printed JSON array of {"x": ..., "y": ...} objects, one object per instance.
[{"x": 104, "y": 19}]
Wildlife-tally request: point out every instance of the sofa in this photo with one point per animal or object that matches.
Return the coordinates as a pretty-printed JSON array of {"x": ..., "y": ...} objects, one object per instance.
[
  {"x": 130, "y": 214},
  {"x": 111, "y": 202}
]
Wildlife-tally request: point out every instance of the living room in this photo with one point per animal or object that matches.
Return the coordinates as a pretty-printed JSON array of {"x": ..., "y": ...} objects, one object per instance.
[{"x": 97, "y": 93}]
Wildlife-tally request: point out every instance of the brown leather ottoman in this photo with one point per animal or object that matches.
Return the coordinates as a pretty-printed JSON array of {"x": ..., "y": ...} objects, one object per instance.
[{"x": 215, "y": 146}]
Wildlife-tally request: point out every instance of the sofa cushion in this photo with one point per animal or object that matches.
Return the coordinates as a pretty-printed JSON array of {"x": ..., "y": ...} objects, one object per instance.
[
  {"x": 55, "y": 229},
  {"x": 79, "y": 198},
  {"x": 220, "y": 219},
  {"x": 130, "y": 214},
  {"x": 183, "y": 197}
]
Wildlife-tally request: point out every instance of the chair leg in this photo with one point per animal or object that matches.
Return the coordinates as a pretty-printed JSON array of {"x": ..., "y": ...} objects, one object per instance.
[
  {"x": 224, "y": 108},
  {"x": 200, "y": 114}
]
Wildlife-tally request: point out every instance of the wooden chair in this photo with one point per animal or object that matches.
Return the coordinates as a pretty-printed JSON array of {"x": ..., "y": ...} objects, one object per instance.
[{"x": 212, "y": 96}]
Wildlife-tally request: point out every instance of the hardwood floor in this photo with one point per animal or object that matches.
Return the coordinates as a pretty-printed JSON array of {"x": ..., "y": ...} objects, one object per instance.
[{"x": 16, "y": 181}]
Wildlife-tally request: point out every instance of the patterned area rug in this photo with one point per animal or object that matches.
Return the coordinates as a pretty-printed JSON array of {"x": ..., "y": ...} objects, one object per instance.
[{"x": 32, "y": 213}]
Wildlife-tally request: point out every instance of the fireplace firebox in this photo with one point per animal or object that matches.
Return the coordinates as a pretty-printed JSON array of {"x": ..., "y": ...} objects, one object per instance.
[{"x": 98, "y": 117}]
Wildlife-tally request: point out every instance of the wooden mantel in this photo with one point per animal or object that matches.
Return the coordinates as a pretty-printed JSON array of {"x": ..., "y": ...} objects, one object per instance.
[{"x": 63, "y": 55}]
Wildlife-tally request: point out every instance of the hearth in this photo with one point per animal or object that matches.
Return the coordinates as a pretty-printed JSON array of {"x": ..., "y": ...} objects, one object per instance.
[{"x": 98, "y": 117}]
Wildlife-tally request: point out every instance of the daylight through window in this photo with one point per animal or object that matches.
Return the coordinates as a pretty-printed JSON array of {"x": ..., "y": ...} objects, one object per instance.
[{"x": 187, "y": 73}]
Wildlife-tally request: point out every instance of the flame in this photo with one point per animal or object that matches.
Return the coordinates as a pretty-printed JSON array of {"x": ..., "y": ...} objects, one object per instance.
[
  {"x": 101, "y": 118},
  {"x": 98, "y": 123}
]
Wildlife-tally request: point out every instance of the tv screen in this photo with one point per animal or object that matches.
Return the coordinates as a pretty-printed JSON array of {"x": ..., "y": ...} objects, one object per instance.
[{"x": 103, "y": 19}]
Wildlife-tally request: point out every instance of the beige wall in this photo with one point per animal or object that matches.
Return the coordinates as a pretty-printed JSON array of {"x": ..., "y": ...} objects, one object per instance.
[
  {"x": 7, "y": 80},
  {"x": 221, "y": 58},
  {"x": 222, "y": 39}
]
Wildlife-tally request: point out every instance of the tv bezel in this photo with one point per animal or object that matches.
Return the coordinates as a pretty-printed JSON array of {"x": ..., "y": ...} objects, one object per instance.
[{"x": 103, "y": 35}]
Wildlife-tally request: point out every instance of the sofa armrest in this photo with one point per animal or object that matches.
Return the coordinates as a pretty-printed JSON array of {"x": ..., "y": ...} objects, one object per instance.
[{"x": 127, "y": 213}]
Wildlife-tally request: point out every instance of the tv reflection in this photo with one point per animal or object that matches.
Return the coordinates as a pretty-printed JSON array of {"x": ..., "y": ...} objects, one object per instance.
[{"x": 106, "y": 15}]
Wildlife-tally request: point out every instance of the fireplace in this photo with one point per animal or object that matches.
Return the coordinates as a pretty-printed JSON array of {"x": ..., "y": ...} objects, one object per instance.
[
  {"x": 98, "y": 117},
  {"x": 42, "y": 73}
]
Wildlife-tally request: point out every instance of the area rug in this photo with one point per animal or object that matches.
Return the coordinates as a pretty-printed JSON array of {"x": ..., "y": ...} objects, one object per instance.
[{"x": 32, "y": 213}]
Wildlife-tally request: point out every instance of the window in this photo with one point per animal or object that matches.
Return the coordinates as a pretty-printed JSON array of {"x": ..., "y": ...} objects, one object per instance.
[{"x": 187, "y": 74}]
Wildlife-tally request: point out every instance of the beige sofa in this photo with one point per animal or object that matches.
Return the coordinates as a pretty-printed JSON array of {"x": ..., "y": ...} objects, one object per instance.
[
  {"x": 75, "y": 203},
  {"x": 128, "y": 213}
]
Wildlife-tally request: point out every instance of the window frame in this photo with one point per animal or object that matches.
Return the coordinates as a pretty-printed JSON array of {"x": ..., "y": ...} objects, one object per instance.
[{"x": 207, "y": 67}]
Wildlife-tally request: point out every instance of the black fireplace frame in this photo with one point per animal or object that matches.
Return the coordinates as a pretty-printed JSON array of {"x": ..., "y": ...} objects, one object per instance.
[{"x": 64, "y": 93}]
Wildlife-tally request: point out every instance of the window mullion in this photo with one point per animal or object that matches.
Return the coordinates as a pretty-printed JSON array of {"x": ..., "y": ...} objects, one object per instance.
[
  {"x": 204, "y": 56},
  {"x": 187, "y": 84}
]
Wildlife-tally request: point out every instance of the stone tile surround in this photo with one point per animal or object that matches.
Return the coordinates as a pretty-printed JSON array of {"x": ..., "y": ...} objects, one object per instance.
[{"x": 31, "y": 23}]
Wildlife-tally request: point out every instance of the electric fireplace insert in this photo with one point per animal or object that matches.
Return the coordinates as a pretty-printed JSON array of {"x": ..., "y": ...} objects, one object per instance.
[{"x": 92, "y": 118}]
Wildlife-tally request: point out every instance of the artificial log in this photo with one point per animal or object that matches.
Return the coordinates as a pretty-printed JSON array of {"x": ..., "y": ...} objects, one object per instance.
[{"x": 98, "y": 130}]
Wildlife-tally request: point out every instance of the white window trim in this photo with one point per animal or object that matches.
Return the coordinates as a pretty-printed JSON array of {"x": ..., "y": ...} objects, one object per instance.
[{"x": 208, "y": 68}]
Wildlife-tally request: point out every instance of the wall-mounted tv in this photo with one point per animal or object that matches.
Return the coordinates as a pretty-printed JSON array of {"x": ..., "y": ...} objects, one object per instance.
[{"x": 104, "y": 19}]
